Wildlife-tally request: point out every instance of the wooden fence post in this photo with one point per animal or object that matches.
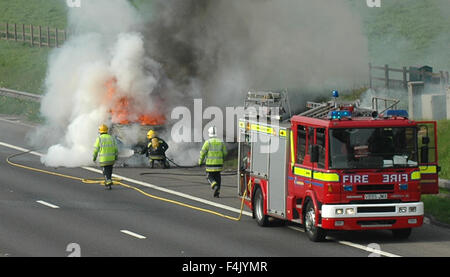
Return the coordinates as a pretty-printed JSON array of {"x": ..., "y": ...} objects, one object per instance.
[
  {"x": 386, "y": 76},
  {"x": 7, "y": 25},
  {"x": 32, "y": 35},
  {"x": 48, "y": 37},
  {"x": 40, "y": 36},
  {"x": 405, "y": 81},
  {"x": 15, "y": 31},
  {"x": 56, "y": 37},
  {"x": 23, "y": 32}
]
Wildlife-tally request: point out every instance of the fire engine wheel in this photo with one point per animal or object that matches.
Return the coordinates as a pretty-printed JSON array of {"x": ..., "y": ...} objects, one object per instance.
[
  {"x": 258, "y": 209},
  {"x": 401, "y": 233},
  {"x": 313, "y": 232}
]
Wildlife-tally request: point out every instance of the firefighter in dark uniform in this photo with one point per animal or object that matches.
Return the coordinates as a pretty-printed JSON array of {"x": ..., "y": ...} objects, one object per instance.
[{"x": 156, "y": 150}]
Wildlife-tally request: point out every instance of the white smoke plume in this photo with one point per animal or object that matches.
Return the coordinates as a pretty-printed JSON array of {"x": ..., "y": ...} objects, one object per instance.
[{"x": 103, "y": 47}]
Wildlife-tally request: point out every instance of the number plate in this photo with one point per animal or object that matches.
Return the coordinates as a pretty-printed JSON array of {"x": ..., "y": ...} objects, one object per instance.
[{"x": 376, "y": 196}]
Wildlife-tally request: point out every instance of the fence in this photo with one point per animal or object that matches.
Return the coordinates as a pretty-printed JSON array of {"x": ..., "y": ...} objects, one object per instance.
[
  {"x": 34, "y": 35},
  {"x": 412, "y": 74},
  {"x": 20, "y": 95}
]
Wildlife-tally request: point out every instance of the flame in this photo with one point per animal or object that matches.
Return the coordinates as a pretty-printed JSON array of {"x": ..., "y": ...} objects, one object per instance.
[{"x": 122, "y": 112}]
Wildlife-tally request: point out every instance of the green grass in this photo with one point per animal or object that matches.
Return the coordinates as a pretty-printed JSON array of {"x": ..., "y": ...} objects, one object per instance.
[
  {"x": 443, "y": 130},
  {"x": 438, "y": 205},
  {"x": 23, "y": 67},
  {"x": 50, "y": 13},
  {"x": 27, "y": 109}
]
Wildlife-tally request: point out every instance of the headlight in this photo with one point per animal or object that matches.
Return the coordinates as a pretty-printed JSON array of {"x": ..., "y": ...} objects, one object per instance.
[
  {"x": 339, "y": 211},
  {"x": 412, "y": 209},
  {"x": 350, "y": 211},
  {"x": 402, "y": 210}
]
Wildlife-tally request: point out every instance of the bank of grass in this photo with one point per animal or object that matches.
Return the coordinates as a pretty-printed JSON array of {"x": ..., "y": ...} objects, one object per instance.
[
  {"x": 438, "y": 205},
  {"x": 26, "y": 109}
]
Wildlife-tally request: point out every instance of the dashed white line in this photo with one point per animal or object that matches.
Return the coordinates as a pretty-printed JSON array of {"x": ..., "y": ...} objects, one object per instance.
[
  {"x": 133, "y": 234},
  {"x": 47, "y": 204}
]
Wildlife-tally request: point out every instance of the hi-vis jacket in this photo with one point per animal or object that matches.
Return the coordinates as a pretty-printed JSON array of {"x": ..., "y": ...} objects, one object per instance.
[
  {"x": 106, "y": 149},
  {"x": 215, "y": 151}
]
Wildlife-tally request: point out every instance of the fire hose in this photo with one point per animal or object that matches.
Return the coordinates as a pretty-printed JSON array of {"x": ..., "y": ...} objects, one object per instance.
[{"x": 118, "y": 181}]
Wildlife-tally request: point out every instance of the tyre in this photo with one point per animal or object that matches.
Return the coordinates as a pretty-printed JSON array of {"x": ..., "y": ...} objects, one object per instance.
[
  {"x": 313, "y": 232},
  {"x": 258, "y": 209},
  {"x": 401, "y": 233}
]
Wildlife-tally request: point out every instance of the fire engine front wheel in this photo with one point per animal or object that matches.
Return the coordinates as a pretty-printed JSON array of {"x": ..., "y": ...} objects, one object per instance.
[
  {"x": 314, "y": 233},
  {"x": 258, "y": 209}
]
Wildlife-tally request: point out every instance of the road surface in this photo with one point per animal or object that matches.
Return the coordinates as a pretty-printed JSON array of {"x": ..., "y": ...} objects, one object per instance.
[{"x": 44, "y": 215}]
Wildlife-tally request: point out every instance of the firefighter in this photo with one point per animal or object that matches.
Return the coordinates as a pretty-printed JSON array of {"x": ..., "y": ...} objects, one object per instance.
[
  {"x": 106, "y": 150},
  {"x": 214, "y": 151},
  {"x": 156, "y": 149}
]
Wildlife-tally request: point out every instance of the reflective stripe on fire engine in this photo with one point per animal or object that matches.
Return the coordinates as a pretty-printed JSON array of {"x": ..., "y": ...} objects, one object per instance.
[
  {"x": 303, "y": 172},
  {"x": 327, "y": 177},
  {"x": 292, "y": 151},
  {"x": 428, "y": 169},
  {"x": 415, "y": 175}
]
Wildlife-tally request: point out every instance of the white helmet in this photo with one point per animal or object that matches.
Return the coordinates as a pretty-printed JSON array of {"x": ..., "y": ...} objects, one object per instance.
[{"x": 212, "y": 131}]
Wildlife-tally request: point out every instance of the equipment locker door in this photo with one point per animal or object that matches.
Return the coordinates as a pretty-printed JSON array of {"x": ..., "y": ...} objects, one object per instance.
[
  {"x": 428, "y": 156},
  {"x": 276, "y": 203}
]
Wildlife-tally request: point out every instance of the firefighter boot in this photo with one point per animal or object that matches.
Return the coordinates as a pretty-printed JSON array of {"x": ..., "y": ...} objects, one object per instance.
[{"x": 108, "y": 184}]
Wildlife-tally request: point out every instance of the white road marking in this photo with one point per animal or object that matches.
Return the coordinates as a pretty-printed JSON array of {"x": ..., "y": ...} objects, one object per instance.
[
  {"x": 204, "y": 201},
  {"x": 133, "y": 234},
  {"x": 366, "y": 248},
  {"x": 47, "y": 204}
]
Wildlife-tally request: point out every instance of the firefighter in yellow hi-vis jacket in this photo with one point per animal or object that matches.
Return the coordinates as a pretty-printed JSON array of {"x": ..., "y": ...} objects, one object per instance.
[
  {"x": 214, "y": 151},
  {"x": 106, "y": 150}
]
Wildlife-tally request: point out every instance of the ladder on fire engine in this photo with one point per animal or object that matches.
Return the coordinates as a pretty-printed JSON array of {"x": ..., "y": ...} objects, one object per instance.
[
  {"x": 268, "y": 104},
  {"x": 321, "y": 110}
]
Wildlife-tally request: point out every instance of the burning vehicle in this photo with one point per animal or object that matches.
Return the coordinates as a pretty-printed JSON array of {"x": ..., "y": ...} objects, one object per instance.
[{"x": 131, "y": 120}]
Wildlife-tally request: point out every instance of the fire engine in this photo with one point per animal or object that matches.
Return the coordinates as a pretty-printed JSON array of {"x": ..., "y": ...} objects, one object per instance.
[{"x": 336, "y": 166}]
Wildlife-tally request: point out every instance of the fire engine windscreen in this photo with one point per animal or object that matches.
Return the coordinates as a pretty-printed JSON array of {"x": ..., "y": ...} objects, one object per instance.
[{"x": 355, "y": 148}]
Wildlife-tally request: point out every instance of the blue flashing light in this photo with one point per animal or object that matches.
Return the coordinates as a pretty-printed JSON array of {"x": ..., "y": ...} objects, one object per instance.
[
  {"x": 403, "y": 186},
  {"x": 335, "y": 93},
  {"x": 348, "y": 188},
  {"x": 401, "y": 113},
  {"x": 339, "y": 114}
]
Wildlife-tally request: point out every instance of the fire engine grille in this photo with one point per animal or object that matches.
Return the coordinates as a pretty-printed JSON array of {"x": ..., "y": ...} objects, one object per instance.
[
  {"x": 375, "y": 188},
  {"x": 388, "y": 209}
]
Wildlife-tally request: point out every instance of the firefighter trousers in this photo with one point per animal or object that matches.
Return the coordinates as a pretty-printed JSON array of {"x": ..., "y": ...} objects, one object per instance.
[
  {"x": 107, "y": 172},
  {"x": 214, "y": 178}
]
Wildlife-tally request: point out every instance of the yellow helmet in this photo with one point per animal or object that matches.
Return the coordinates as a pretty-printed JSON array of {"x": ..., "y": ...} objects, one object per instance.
[
  {"x": 151, "y": 134},
  {"x": 155, "y": 143},
  {"x": 103, "y": 129}
]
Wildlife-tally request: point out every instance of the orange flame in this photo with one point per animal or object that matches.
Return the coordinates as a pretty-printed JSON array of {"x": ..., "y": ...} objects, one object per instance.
[{"x": 121, "y": 109}]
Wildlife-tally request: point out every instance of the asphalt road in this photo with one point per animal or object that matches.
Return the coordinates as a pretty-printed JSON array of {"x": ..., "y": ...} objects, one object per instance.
[{"x": 45, "y": 215}]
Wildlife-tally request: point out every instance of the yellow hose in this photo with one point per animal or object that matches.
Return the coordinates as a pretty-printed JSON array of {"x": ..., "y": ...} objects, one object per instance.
[{"x": 117, "y": 181}]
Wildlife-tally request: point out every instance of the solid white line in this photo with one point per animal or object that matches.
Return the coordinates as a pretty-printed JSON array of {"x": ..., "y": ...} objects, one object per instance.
[
  {"x": 47, "y": 204},
  {"x": 132, "y": 234}
]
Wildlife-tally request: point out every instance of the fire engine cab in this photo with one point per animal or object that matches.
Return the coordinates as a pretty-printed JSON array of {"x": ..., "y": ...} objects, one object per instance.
[{"x": 336, "y": 166}]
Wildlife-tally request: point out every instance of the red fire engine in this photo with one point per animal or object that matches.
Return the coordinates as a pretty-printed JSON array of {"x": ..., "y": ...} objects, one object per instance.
[{"x": 336, "y": 166}]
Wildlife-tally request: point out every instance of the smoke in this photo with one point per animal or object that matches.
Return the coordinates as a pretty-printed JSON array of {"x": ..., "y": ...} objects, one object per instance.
[
  {"x": 105, "y": 46},
  {"x": 186, "y": 49},
  {"x": 228, "y": 47}
]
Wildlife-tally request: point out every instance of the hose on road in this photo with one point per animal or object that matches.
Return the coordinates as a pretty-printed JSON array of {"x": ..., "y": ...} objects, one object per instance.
[{"x": 118, "y": 181}]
